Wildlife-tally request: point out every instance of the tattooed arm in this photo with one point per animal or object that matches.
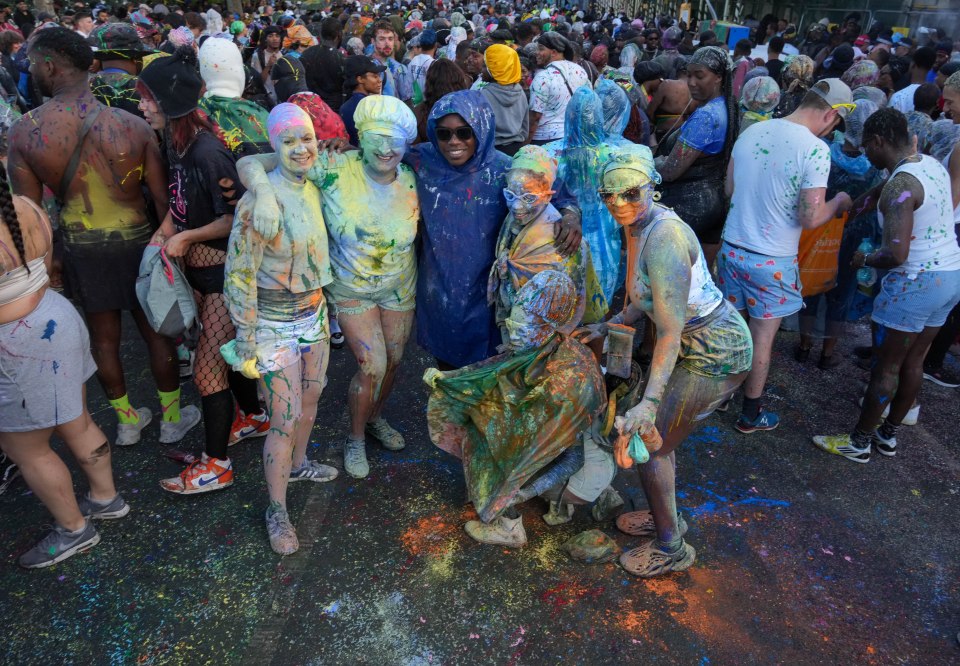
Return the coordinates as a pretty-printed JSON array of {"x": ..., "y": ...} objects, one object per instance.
[
  {"x": 902, "y": 195},
  {"x": 813, "y": 209}
]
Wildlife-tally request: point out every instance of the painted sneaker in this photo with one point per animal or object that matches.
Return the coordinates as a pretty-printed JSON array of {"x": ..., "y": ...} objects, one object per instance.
[
  {"x": 640, "y": 523},
  {"x": 606, "y": 505},
  {"x": 502, "y": 531},
  {"x": 765, "y": 421},
  {"x": 109, "y": 510},
  {"x": 172, "y": 432},
  {"x": 58, "y": 545},
  {"x": 311, "y": 470},
  {"x": 651, "y": 560},
  {"x": 558, "y": 514},
  {"x": 336, "y": 335},
  {"x": 128, "y": 434},
  {"x": 842, "y": 445},
  {"x": 203, "y": 476},
  {"x": 247, "y": 426},
  {"x": 884, "y": 446},
  {"x": 355, "y": 458},
  {"x": 282, "y": 535},
  {"x": 386, "y": 434}
]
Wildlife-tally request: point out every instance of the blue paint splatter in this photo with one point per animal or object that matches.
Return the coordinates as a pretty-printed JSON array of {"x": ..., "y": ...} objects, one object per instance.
[
  {"x": 56, "y": 366},
  {"x": 49, "y": 330}
]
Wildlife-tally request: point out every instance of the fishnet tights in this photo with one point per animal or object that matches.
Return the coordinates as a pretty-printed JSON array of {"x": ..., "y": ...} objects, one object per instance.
[{"x": 210, "y": 370}]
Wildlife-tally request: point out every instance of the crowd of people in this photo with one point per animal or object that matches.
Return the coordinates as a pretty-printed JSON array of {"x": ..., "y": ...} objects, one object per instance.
[{"x": 595, "y": 224}]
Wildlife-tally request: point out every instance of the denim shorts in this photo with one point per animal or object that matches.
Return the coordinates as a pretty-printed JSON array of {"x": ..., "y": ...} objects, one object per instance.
[
  {"x": 766, "y": 287},
  {"x": 280, "y": 344},
  {"x": 913, "y": 302}
]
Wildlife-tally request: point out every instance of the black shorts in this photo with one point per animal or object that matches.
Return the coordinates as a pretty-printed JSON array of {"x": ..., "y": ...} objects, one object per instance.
[
  {"x": 206, "y": 280},
  {"x": 102, "y": 277}
]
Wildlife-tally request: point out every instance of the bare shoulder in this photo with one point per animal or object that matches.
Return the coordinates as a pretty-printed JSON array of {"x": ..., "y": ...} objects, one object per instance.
[{"x": 902, "y": 189}]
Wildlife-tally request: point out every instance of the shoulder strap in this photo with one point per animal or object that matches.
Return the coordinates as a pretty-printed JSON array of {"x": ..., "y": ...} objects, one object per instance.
[
  {"x": 74, "y": 161},
  {"x": 562, "y": 76}
]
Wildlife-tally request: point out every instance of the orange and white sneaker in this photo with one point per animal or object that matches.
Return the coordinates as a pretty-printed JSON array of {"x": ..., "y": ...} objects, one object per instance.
[
  {"x": 202, "y": 476},
  {"x": 246, "y": 426}
]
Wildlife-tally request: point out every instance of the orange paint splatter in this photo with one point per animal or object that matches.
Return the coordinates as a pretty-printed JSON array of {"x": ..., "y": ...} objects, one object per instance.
[{"x": 428, "y": 536}]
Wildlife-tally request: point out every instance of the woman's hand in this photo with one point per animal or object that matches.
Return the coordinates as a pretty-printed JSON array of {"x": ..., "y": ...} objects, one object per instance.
[
  {"x": 590, "y": 332},
  {"x": 177, "y": 245},
  {"x": 261, "y": 210},
  {"x": 567, "y": 233}
]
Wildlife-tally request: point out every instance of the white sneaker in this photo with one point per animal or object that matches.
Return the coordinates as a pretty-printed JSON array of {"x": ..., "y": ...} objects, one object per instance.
[
  {"x": 128, "y": 434},
  {"x": 909, "y": 420},
  {"x": 173, "y": 431},
  {"x": 355, "y": 458},
  {"x": 502, "y": 531}
]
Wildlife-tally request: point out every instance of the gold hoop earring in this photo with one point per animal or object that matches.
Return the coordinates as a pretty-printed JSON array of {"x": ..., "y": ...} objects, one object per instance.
[{"x": 656, "y": 196}]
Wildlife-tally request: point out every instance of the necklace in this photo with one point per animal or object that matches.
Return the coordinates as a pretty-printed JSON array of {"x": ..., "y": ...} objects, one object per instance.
[{"x": 908, "y": 157}]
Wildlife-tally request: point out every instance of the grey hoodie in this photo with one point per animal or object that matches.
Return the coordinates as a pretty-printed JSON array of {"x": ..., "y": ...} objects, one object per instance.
[{"x": 511, "y": 110}]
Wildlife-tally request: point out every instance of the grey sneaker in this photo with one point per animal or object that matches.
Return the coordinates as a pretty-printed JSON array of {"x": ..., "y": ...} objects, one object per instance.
[
  {"x": 172, "y": 432},
  {"x": 109, "y": 510},
  {"x": 386, "y": 434},
  {"x": 283, "y": 537},
  {"x": 128, "y": 434},
  {"x": 311, "y": 470},
  {"x": 58, "y": 545},
  {"x": 355, "y": 458}
]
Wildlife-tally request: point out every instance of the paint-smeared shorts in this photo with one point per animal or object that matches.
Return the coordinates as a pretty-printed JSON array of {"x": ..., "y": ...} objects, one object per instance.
[
  {"x": 911, "y": 303},
  {"x": 44, "y": 361},
  {"x": 766, "y": 287},
  {"x": 280, "y": 344},
  {"x": 717, "y": 345},
  {"x": 399, "y": 297},
  {"x": 597, "y": 472}
]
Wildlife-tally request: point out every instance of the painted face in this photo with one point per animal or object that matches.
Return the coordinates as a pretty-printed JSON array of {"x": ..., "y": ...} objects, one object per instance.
[
  {"x": 628, "y": 195},
  {"x": 456, "y": 140},
  {"x": 382, "y": 153},
  {"x": 152, "y": 113},
  {"x": 297, "y": 148},
  {"x": 951, "y": 104},
  {"x": 704, "y": 85},
  {"x": 384, "y": 43},
  {"x": 527, "y": 194}
]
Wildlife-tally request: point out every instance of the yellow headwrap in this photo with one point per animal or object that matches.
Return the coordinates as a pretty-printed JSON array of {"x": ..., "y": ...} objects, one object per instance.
[{"x": 503, "y": 63}]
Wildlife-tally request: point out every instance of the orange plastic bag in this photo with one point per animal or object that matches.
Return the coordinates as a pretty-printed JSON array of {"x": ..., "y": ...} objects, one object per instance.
[{"x": 817, "y": 256}]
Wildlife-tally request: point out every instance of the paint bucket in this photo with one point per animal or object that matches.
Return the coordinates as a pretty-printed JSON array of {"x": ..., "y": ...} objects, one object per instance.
[{"x": 619, "y": 350}]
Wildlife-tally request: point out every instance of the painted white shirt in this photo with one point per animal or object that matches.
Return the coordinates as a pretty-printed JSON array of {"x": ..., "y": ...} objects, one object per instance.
[{"x": 550, "y": 94}]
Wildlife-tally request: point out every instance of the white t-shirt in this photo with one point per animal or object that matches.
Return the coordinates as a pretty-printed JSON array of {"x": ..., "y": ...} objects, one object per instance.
[
  {"x": 933, "y": 243},
  {"x": 902, "y": 100},
  {"x": 418, "y": 67},
  {"x": 772, "y": 162},
  {"x": 550, "y": 94}
]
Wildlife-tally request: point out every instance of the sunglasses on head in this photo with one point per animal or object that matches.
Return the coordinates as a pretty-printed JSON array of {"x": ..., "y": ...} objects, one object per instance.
[
  {"x": 631, "y": 195},
  {"x": 462, "y": 133},
  {"x": 527, "y": 197},
  {"x": 844, "y": 105}
]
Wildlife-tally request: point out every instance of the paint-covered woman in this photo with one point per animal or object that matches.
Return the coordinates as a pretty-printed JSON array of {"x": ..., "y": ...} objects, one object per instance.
[
  {"x": 274, "y": 291},
  {"x": 693, "y": 158},
  {"x": 44, "y": 362},
  {"x": 371, "y": 208},
  {"x": 196, "y": 228},
  {"x": 702, "y": 353}
]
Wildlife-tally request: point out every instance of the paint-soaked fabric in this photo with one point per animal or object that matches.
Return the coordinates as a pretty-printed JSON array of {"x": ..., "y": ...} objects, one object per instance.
[
  {"x": 510, "y": 416},
  {"x": 550, "y": 93},
  {"x": 706, "y": 128},
  {"x": 117, "y": 89},
  {"x": 196, "y": 199},
  {"x": 581, "y": 154},
  {"x": 766, "y": 287},
  {"x": 44, "y": 362},
  {"x": 911, "y": 303},
  {"x": 371, "y": 229},
  {"x": 296, "y": 260},
  {"x": 280, "y": 344},
  {"x": 717, "y": 345},
  {"x": 525, "y": 249},
  {"x": 462, "y": 209},
  {"x": 243, "y": 124},
  {"x": 101, "y": 277}
]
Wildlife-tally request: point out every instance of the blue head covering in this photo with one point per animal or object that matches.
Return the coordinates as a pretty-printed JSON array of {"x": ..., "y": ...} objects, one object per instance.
[
  {"x": 616, "y": 109},
  {"x": 462, "y": 208}
]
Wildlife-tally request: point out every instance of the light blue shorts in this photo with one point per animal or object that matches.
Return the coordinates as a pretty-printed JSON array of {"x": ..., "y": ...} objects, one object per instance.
[
  {"x": 910, "y": 303},
  {"x": 766, "y": 287}
]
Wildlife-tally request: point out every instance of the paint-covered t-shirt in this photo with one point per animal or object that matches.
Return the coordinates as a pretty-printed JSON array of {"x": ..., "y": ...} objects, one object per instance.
[
  {"x": 371, "y": 227},
  {"x": 772, "y": 162},
  {"x": 550, "y": 92},
  {"x": 706, "y": 128}
]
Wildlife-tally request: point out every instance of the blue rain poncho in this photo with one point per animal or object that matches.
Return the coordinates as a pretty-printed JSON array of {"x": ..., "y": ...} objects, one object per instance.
[
  {"x": 581, "y": 154},
  {"x": 462, "y": 208},
  {"x": 616, "y": 110}
]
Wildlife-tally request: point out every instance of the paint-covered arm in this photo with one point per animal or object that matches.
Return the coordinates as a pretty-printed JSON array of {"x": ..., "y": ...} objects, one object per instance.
[
  {"x": 260, "y": 203},
  {"x": 900, "y": 198},
  {"x": 677, "y": 162},
  {"x": 244, "y": 256},
  {"x": 23, "y": 180},
  {"x": 668, "y": 258},
  {"x": 813, "y": 209},
  {"x": 953, "y": 167},
  {"x": 569, "y": 230}
]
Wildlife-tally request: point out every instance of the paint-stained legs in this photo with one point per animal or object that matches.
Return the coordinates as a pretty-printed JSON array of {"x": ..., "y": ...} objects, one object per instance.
[
  {"x": 313, "y": 366},
  {"x": 396, "y": 332},
  {"x": 896, "y": 375},
  {"x": 89, "y": 446},
  {"x": 689, "y": 398}
]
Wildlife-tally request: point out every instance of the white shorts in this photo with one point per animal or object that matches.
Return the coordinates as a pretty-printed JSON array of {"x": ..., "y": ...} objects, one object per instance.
[{"x": 280, "y": 344}]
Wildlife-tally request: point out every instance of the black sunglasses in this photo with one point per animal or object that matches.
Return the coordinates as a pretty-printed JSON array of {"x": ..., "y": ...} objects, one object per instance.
[{"x": 463, "y": 133}]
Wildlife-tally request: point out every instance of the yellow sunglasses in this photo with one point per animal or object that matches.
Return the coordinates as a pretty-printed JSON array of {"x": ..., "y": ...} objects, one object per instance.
[{"x": 844, "y": 105}]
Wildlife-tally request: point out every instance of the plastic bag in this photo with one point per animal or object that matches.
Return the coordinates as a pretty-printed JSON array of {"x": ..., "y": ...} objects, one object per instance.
[{"x": 817, "y": 256}]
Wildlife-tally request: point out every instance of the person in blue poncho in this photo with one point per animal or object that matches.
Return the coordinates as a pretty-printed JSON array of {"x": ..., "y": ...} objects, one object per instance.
[{"x": 460, "y": 179}]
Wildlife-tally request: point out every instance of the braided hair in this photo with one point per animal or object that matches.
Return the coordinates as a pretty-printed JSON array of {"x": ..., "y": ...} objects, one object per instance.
[{"x": 9, "y": 214}]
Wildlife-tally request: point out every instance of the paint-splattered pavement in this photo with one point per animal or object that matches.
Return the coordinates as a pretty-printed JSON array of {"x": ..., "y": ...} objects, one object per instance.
[{"x": 803, "y": 558}]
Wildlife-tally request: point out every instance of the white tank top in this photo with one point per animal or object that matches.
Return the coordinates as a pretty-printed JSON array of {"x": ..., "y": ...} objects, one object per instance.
[
  {"x": 946, "y": 165},
  {"x": 704, "y": 295},
  {"x": 933, "y": 243}
]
